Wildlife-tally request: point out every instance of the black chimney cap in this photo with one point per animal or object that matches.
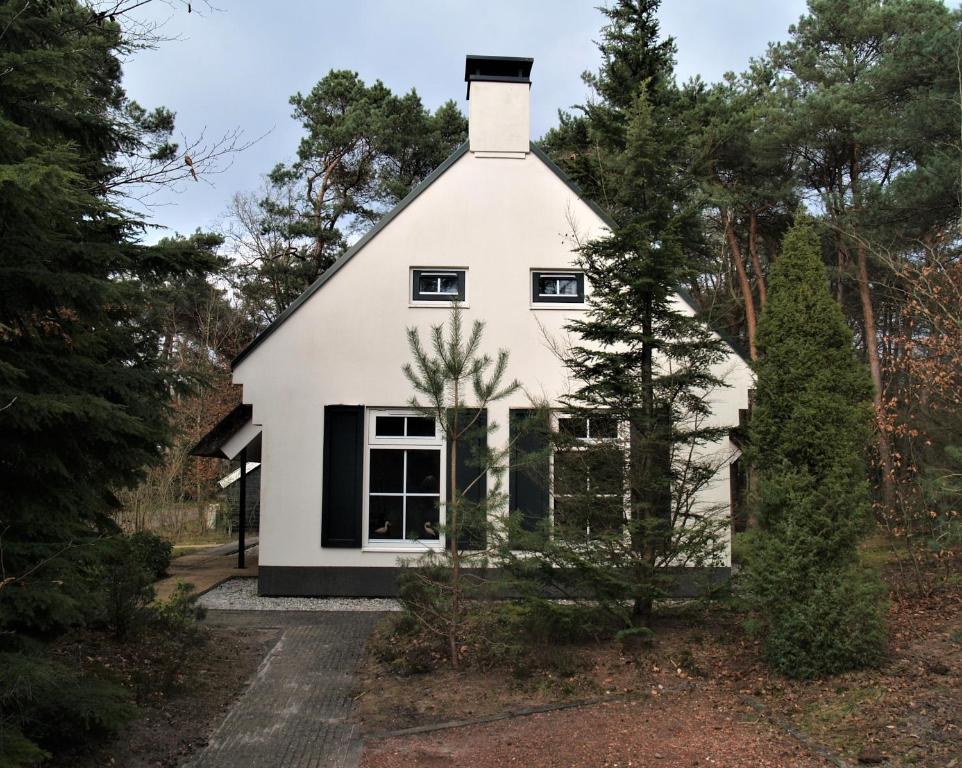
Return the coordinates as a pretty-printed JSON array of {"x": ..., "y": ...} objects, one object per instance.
[{"x": 502, "y": 69}]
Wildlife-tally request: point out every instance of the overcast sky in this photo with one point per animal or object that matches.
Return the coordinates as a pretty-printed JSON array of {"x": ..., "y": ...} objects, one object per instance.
[{"x": 237, "y": 67}]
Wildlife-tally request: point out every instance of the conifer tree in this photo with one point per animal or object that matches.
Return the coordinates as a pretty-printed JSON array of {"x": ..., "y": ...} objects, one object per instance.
[
  {"x": 84, "y": 387},
  {"x": 642, "y": 358},
  {"x": 819, "y": 607},
  {"x": 454, "y": 382}
]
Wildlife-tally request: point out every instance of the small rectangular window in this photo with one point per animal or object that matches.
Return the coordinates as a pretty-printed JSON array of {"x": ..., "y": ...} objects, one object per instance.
[
  {"x": 557, "y": 287},
  {"x": 438, "y": 285},
  {"x": 404, "y": 426}
]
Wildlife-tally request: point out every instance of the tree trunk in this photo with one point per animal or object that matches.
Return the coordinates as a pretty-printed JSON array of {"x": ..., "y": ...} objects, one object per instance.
[
  {"x": 453, "y": 538},
  {"x": 870, "y": 338},
  {"x": 875, "y": 369},
  {"x": 756, "y": 260},
  {"x": 745, "y": 286}
]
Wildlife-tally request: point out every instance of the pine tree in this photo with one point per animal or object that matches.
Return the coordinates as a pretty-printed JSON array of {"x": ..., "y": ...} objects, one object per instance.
[
  {"x": 819, "y": 607},
  {"x": 362, "y": 151},
  {"x": 454, "y": 382}
]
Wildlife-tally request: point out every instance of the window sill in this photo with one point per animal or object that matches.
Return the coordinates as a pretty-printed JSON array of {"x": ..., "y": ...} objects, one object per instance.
[
  {"x": 403, "y": 548},
  {"x": 437, "y": 304},
  {"x": 558, "y": 305}
]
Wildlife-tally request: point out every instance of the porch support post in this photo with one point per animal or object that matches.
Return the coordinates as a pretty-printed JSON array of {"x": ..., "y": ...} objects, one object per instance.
[{"x": 242, "y": 508}]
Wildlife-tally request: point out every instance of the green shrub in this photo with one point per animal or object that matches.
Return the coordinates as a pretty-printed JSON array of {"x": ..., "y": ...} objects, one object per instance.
[
  {"x": 402, "y": 644},
  {"x": 835, "y": 626},
  {"x": 818, "y": 610},
  {"x": 152, "y": 551},
  {"x": 557, "y": 623},
  {"x": 178, "y": 614},
  {"x": 128, "y": 588},
  {"x": 635, "y": 636}
]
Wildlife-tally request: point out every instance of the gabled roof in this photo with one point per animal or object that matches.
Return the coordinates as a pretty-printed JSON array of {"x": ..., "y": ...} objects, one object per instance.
[
  {"x": 349, "y": 253},
  {"x": 683, "y": 294},
  {"x": 410, "y": 198}
]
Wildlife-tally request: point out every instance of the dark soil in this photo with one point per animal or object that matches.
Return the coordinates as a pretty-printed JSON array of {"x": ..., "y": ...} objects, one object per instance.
[
  {"x": 182, "y": 689},
  {"x": 909, "y": 712}
]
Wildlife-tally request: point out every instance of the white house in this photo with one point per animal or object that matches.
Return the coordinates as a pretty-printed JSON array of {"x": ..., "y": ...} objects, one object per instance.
[{"x": 351, "y": 480}]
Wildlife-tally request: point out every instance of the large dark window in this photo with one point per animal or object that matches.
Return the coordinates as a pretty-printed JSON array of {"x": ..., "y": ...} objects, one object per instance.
[
  {"x": 588, "y": 495},
  {"x": 438, "y": 285},
  {"x": 557, "y": 287},
  {"x": 404, "y": 478}
]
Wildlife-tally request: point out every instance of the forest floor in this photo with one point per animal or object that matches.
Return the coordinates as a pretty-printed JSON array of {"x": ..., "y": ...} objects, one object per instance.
[
  {"x": 182, "y": 691},
  {"x": 699, "y": 695}
]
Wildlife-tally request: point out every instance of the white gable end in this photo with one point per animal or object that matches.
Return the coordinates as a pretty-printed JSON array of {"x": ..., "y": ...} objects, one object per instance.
[{"x": 499, "y": 211}]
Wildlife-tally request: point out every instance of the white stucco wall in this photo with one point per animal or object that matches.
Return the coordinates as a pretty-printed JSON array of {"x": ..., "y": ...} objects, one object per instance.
[
  {"x": 499, "y": 117},
  {"x": 499, "y": 218}
]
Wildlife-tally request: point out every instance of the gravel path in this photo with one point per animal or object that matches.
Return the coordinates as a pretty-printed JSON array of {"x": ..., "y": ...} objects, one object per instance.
[{"x": 241, "y": 595}]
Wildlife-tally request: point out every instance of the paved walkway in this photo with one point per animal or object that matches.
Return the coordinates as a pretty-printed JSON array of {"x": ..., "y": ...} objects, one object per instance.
[
  {"x": 208, "y": 568},
  {"x": 295, "y": 714}
]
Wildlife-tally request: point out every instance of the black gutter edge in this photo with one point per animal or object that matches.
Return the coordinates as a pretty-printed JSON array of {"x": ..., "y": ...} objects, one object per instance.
[
  {"x": 350, "y": 252},
  {"x": 683, "y": 294},
  {"x": 210, "y": 444}
]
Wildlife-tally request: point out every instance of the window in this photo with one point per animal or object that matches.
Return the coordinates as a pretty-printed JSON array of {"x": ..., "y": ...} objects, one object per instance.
[
  {"x": 557, "y": 287},
  {"x": 438, "y": 285},
  {"x": 588, "y": 465},
  {"x": 405, "y": 478}
]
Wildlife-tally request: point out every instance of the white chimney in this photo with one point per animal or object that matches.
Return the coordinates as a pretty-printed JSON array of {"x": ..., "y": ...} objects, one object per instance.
[{"x": 499, "y": 105}]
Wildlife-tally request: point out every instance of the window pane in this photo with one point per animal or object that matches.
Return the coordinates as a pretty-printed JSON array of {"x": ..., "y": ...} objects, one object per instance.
[
  {"x": 570, "y": 473},
  {"x": 573, "y": 427},
  {"x": 428, "y": 284},
  {"x": 603, "y": 427},
  {"x": 389, "y": 426},
  {"x": 386, "y": 517},
  {"x": 567, "y": 286},
  {"x": 449, "y": 284},
  {"x": 570, "y": 519},
  {"x": 419, "y": 426},
  {"x": 387, "y": 471},
  {"x": 424, "y": 471},
  {"x": 547, "y": 286},
  {"x": 606, "y": 517},
  {"x": 605, "y": 467},
  {"x": 423, "y": 517}
]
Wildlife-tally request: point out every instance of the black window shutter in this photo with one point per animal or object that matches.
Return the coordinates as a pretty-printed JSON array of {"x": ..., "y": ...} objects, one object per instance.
[
  {"x": 528, "y": 475},
  {"x": 470, "y": 464},
  {"x": 343, "y": 493}
]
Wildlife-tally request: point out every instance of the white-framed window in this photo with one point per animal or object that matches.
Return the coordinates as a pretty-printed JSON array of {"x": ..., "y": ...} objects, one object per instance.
[
  {"x": 430, "y": 285},
  {"x": 588, "y": 465},
  {"x": 557, "y": 287},
  {"x": 405, "y": 479}
]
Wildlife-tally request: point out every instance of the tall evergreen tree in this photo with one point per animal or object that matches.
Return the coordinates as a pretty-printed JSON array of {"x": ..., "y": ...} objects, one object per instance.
[
  {"x": 870, "y": 95},
  {"x": 83, "y": 383},
  {"x": 642, "y": 358},
  {"x": 819, "y": 607}
]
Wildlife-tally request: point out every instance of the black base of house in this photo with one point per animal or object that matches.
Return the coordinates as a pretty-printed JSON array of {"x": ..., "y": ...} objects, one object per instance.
[{"x": 323, "y": 581}]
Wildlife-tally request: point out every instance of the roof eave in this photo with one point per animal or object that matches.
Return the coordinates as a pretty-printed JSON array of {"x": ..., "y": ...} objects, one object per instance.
[{"x": 349, "y": 254}]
